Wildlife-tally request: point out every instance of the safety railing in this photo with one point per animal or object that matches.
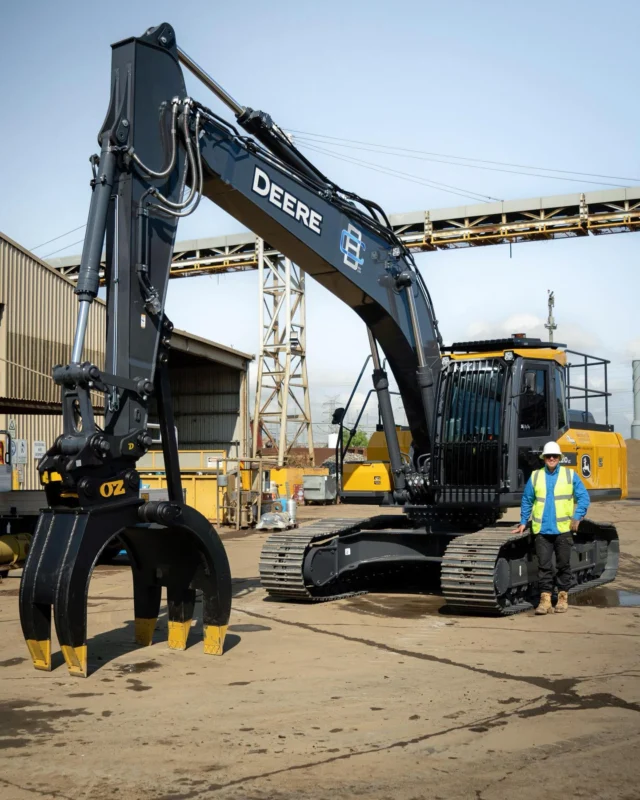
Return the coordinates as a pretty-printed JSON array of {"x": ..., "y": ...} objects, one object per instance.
[{"x": 586, "y": 365}]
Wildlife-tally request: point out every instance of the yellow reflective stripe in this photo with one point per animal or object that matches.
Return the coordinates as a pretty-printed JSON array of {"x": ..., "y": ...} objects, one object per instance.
[{"x": 536, "y": 480}]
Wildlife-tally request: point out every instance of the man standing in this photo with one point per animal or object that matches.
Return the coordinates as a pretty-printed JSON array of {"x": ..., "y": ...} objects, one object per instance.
[{"x": 556, "y": 501}]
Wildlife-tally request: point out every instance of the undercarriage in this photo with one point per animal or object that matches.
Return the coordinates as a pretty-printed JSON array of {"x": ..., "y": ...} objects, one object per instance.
[{"x": 491, "y": 571}]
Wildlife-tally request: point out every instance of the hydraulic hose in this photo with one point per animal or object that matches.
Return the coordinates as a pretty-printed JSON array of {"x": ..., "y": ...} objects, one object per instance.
[
  {"x": 172, "y": 161},
  {"x": 197, "y": 180}
]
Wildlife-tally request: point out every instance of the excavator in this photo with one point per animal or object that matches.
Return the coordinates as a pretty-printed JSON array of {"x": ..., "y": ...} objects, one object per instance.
[{"x": 161, "y": 151}]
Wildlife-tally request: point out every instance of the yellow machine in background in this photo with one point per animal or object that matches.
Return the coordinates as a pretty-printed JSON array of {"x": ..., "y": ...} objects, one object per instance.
[
  {"x": 370, "y": 481},
  {"x": 13, "y": 551}
]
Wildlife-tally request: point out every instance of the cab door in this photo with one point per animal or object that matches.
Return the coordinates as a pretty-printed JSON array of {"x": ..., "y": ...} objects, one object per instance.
[{"x": 535, "y": 418}]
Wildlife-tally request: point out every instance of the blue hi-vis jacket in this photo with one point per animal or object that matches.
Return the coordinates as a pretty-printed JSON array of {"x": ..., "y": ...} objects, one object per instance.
[{"x": 549, "y": 525}]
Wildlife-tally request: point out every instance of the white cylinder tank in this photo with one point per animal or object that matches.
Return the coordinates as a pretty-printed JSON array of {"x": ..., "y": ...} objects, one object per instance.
[{"x": 635, "y": 425}]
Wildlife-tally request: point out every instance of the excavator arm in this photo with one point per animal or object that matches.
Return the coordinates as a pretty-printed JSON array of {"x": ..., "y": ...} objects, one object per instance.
[{"x": 161, "y": 151}]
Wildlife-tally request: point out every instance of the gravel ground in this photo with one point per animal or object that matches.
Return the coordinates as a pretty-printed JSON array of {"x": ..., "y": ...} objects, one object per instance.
[{"x": 380, "y": 696}]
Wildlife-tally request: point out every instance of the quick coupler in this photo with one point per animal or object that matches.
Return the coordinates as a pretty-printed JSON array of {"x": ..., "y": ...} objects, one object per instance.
[{"x": 168, "y": 544}]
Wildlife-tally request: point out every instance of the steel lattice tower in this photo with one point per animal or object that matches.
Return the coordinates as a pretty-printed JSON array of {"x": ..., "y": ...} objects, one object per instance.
[{"x": 282, "y": 412}]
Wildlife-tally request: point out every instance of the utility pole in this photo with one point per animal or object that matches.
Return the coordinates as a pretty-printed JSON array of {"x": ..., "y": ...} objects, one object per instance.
[{"x": 550, "y": 324}]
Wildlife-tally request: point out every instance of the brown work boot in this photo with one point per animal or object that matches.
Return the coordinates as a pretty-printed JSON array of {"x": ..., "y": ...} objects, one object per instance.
[
  {"x": 563, "y": 603},
  {"x": 545, "y": 606}
]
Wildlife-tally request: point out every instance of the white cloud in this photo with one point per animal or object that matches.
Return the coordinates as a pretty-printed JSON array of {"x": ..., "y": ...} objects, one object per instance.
[
  {"x": 632, "y": 349},
  {"x": 574, "y": 336}
]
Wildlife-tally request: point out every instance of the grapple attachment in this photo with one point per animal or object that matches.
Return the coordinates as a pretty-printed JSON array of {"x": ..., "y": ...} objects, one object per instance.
[{"x": 168, "y": 544}]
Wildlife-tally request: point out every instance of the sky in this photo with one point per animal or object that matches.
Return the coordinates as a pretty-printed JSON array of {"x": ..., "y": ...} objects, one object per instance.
[{"x": 545, "y": 86}]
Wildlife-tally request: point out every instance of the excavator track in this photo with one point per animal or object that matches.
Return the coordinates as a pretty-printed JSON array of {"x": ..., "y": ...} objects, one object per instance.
[
  {"x": 476, "y": 574},
  {"x": 282, "y": 560},
  {"x": 491, "y": 572}
]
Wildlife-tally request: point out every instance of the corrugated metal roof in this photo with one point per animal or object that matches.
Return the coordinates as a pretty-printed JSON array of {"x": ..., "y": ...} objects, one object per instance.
[{"x": 190, "y": 343}]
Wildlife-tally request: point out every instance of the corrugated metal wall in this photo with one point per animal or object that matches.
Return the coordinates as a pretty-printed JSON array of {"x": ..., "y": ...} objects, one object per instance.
[
  {"x": 206, "y": 404},
  {"x": 38, "y": 324},
  {"x": 36, "y": 331}
]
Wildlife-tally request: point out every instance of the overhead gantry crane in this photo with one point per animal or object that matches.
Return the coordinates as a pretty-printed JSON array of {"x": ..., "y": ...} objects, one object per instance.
[{"x": 514, "y": 221}]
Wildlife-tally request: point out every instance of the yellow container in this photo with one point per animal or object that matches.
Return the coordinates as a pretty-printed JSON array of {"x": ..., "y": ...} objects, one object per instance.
[
  {"x": 292, "y": 476},
  {"x": 200, "y": 490}
]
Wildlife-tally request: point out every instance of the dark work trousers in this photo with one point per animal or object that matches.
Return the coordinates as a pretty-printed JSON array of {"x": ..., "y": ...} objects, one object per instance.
[{"x": 546, "y": 544}]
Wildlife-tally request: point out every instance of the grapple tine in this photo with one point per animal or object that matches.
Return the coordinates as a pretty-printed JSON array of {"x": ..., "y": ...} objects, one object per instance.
[
  {"x": 85, "y": 534},
  {"x": 180, "y": 604},
  {"x": 36, "y": 592},
  {"x": 146, "y": 604},
  {"x": 214, "y": 636}
]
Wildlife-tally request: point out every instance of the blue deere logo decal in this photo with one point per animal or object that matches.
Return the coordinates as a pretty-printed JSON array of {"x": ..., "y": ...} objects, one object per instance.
[{"x": 352, "y": 247}]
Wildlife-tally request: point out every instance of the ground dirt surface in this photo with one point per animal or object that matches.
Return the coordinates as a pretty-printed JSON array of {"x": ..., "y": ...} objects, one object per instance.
[{"x": 379, "y": 696}]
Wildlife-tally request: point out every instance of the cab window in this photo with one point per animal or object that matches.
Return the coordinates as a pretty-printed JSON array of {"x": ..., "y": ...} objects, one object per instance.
[
  {"x": 561, "y": 401},
  {"x": 534, "y": 408}
]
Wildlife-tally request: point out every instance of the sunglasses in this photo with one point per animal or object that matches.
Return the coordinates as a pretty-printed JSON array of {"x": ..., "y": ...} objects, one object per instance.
[{"x": 551, "y": 457}]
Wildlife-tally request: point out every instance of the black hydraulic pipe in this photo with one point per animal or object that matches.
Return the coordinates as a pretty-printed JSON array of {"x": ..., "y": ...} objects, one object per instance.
[
  {"x": 257, "y": 123},
  {"x": 209, "y": 82},
  {"x": 168, "y": 431},
  {"x": 424, "y": 373},
  {"x": 260, "y": 125},
  {"x": 89, "y": 274},
  {"x": 381, "y": 385}
]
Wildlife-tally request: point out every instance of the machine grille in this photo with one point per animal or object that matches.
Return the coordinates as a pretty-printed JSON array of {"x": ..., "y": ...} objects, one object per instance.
[{"x": 468, "y": 441}]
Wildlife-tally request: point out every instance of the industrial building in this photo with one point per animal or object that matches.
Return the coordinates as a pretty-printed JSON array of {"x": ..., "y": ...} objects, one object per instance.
[{"x": 38, "y": 311}]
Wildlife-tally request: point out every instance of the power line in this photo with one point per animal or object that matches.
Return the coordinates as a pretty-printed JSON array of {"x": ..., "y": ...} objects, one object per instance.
[
  {"x": 445, "y": 187},
  {"x": 457, "y": 164},
  {"x": 352, "y": 142},
  {"x": 63, "y": 248},
  {"x": 55, "y": 238}
]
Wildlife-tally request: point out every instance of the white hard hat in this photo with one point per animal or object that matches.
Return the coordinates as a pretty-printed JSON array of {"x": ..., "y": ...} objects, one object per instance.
[{"x": 551, "y": 449}]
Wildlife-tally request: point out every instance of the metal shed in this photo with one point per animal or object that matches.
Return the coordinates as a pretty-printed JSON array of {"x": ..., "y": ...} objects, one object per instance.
[{"x": 38, "y": 310}]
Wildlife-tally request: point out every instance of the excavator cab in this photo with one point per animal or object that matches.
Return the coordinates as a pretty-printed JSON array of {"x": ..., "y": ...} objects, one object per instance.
[{"x": 499, "y": 402}]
